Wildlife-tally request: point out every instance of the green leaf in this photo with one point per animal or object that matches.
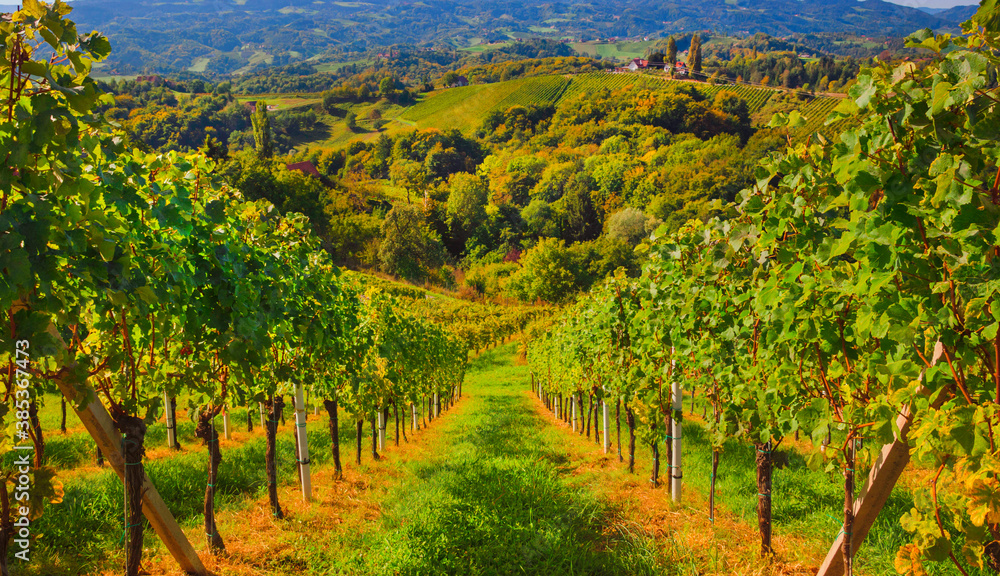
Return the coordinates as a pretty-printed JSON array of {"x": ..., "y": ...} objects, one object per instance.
[
  {"x": 147, "y": 294},
  {"x": 988, "y": 16},
  {"x": 107, "y": 249}
]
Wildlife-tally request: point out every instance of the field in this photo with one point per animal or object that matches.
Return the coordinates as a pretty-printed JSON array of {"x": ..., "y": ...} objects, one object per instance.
[
  {"x": 479, "y": 47},
  {"x": 617, "y": 50},
  {"x": 496, "y": 474},
  {"x": 199, "y": 64},
  {"x": 283, "y": 101},
  {"x": 462, "y": 107},
  {"x": 334, "y": 66}
]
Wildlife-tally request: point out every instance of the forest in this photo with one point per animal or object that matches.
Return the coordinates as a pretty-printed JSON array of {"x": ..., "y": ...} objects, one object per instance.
[{"x": 572, "y": 187}]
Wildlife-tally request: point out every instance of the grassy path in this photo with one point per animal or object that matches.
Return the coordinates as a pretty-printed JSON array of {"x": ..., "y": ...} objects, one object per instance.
[{"x": 494, "y": 497}]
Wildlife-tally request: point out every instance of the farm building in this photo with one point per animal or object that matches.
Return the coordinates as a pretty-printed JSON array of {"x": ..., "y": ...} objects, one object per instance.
[
  {"x": 460, "y": 81},
  {"x": 305, "y": 167},
  {"x": 253, "y": 107},
  {"x": 680, "y": 69},
  {"x": 638, "y": 64}
]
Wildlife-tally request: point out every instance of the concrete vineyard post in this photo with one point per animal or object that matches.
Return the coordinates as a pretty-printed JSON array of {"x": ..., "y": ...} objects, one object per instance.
[
  {"x": 572, "y": 402},
  {"x": 225, "y": 423},
  {"x": 413, "y": 416},
  {"x": 303, "y": 441},
  {"x": 381, "y": 430},
  {"x": 263, "y": 422},
  {"x": 607, "y": 434},
  {"x": 675, "y": 466},
  {"x": 171, "y": 421}
]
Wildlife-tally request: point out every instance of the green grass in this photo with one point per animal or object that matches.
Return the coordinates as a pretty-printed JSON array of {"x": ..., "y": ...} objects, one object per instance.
[
  {"x": 461, "y": 107},
  {"x": 334, "y": 66},
  {"x": 500, "y": 491},
  {"x": 199, "y": 64},
  {"x": 617, "y": 50},
  {"x": 479, "y": 47},
  {"x": 83, "y": 533},
  {"x": 465, "y": 107},
  {"x": 804, "y": 502},
  {"x": 497, "y": 498},
  {"x": 283, "y": 101}
]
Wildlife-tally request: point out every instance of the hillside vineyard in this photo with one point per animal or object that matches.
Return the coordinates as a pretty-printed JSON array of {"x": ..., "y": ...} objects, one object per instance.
[{"x": 318, "y": 293}]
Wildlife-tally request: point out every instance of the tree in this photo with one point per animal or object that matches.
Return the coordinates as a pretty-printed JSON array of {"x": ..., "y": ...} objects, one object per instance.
[
  {"x": 671, "y": 51},
  {"x": 387, "y": 86},
  {"x": 629, "y": 225},
  {"x": 546, "y": 273},
  {"x": 694, "y": 54},
  {"x": 577, "y": 217},
  {"x": 409, "y": 175},
  {"x": 215, "y": 150},
  {"x": 450, "y": 78},
  {"x": 466, "y": 206},
  {"x": 262, "y": 130},
  {"x": 538, "y": 219},
  {"x": 408, "y": 246},
  {"x": 351, "y": 121}
]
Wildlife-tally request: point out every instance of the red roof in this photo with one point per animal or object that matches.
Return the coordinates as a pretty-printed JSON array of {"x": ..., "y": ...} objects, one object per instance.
[{"x": 305, "y": 167}]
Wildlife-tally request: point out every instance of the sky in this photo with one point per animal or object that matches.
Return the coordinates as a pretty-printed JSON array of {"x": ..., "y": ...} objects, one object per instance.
[
  {"x": 913, "y": 3},
  {"x": 933, "y": 3}
]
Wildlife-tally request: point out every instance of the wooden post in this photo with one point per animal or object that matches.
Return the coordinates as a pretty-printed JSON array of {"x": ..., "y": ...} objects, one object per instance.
[
  {"x": 873, "y": 495},
  {"x": 885, "y": 472},
  {"x": 98, "y": 423},
  {"x": 300, "y": 432}
]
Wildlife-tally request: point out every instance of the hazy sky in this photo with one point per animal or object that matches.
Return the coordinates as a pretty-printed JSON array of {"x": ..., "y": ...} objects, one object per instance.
[
  {"x": 933, "y": 3},
  {"x": 914, "y": 3}
]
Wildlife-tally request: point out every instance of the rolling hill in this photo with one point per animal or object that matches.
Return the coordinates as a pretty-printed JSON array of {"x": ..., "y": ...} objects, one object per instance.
[
  {"x": 464, "y": 108},
  {"x": 223, "y": 36}
]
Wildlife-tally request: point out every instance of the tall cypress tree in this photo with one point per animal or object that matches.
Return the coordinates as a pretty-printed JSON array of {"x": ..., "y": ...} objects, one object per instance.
[
  {"x": 262, "y": 130},
  {"x": 694, "y": 55},
  {"x": 671, "y": 51}
]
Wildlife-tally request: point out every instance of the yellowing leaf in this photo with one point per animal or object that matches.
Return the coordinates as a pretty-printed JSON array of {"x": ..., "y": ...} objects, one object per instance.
[
  {"x": 908, "y": 562},
  {"x": 984, "y": 501}
]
